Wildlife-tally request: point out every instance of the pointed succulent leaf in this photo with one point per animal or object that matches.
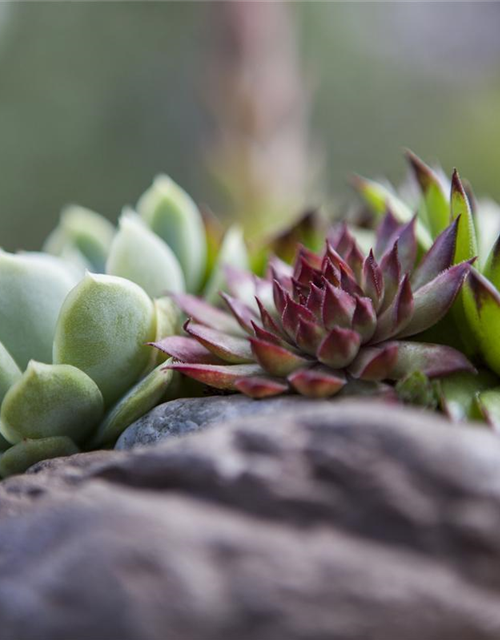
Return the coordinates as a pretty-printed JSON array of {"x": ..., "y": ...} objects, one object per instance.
[
  {"x": 309, "y": 336},
  {"x": 9, "y": 372},
  {"x": 482, "y": 310},
  {"x": 186, "y": 349},
  {"x": 267, "y": 336},
  {"x": 492, "y": 266},
  {"x": 348, "y": 281},
  {"x": 243, "y": 315},
  {"x": 104, "y": 325},
  {"x": 261, "y": 387},
  {"x": 434, "y": 199},
  {"x": 304, "y": 273},
  {"x": 386, "y": 233},
  {"x": 407, "y": 246},
  {"x": 275, "y": 359},
  {"x": 143, "y": 396},
  {"x": 457, "y": 392},
  {"x": 51, "y": 400},
  {"x": 466, "y": 244},
  {"x": 218, "y": 376},
  {"x": 339, "y": 348},
  {"x": 228, "y": 348},
  {"x": 141, "y": 256},
  {"x": 391, "y": 270},
  {"x": 233, "y": 252},
  {"x": 279, "y": 297},
  {"x": 82, "y": 235},
  {"x": 342, "y": 240},
  {"x": 380, "y": 199},
  {"x": 268, "y": 322},
  {"x": 432, "y": 301},
  {"x": 355, "y": 259},
  {"x": 364, "y": 320},
  {"x": 398, "y": 315},
  {"x": 292, "y": 313},
  {"x": 171, "y": 213},
  {"x": 375, "y": 363},
  {"x": 315, "y": 299},
  {"x": 32, "y": 290},
  {"x": 205, "y": 313},
  {"x": 486, "y": 405},
  {"x": 372, "y": 281},
  {"x": 26, "y": 453},
  {"x": 317, "y": 382},
  {"x": 433, "y": 360},
  {"x": 439, "y": 257}
]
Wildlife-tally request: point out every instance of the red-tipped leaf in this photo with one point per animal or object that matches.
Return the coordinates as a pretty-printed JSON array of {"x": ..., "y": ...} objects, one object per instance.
[{"x": 317, "y": 382}]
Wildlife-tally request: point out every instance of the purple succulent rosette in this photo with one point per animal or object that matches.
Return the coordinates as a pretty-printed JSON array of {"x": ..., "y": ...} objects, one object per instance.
[{"x": 313, "y": 327}]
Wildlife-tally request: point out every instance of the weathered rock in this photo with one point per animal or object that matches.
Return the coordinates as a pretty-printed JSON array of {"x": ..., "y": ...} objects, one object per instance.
[
  {"x": 187, "y": 415},
  {"x": 343, "y": 521}
]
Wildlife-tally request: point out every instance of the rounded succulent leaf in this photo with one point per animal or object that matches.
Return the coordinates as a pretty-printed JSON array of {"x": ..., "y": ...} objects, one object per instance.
[
  {"x": 103, "y": 328},
  {"x": 51, "y": 400},
  {"x": 140, "y": 255},
  {"x": 32, "y": 290},
  {"x": 82, "y": 235},
  {"x": 28, "y": 452},
  {"x": 172, "y": 214},
  {"x": 139, "y": 400}
]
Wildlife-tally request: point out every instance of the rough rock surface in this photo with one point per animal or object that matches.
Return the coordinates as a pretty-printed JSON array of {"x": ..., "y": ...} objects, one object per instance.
[
  {"x": 187, "y": 415},
  {"x": 349, "y": 521}
]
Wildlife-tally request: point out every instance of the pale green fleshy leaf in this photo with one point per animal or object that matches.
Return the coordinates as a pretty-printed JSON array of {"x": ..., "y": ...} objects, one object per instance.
[
  {"x": 233, "y": 252},
  {"x": 32, "y": 290},
  {"x": 168, "y": 323},
  {"x": 51, "y": 400},
  {"x": 466, "y": 245},
  {"x": 144, "y": 258},
  {"x": 172, "y": 214},
  {"x": 81, "y": 232},
  {"x": 487, "y": 218},
  {"x": 145, "y": 395},
  {"x": 28, "y": 452},
  {"x": 457, "y": 392},
  {"x": 103, "y": 328},
  {"x": 9, "y": 372},
  {"x": 481, "y": 309},
  {"x": 379, "y": 198},
  {"x": 486, "y": 406}
]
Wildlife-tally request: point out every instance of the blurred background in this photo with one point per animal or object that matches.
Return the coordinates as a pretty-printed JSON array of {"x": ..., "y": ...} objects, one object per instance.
[{"x": 258, "y": 110}]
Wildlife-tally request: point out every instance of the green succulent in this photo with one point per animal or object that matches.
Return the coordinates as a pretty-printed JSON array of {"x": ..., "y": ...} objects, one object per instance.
[
  {"x": 163, "y": 246},
  {"x": 475, "y": 320},
  {"x": 75, "y": 323}
]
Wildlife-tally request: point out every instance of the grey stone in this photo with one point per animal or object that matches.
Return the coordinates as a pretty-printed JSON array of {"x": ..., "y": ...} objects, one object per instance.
[
  {"x": 341, "y": 521},
  {"x": 187, "y": 415}
]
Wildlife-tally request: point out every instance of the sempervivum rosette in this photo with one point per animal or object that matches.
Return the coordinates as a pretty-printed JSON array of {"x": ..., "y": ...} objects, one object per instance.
[{"x": 329, "y": 319}]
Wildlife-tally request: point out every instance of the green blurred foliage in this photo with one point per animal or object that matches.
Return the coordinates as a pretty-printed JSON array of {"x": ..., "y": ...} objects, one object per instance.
[{"x": 97, "y": 98}]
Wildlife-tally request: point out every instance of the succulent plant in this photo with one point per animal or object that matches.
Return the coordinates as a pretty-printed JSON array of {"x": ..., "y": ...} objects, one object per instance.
[
  {"x": 75, "y": 368},
  {"x": 163, "y": 247},
  {"x": 329, "y": 320},
  {"x": 73, "y": 357},
  {"x": 475, "y": 318}
]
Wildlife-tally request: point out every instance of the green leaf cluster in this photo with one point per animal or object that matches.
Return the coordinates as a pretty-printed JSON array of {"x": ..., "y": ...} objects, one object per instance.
[{"x": 76, "y": 320}]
